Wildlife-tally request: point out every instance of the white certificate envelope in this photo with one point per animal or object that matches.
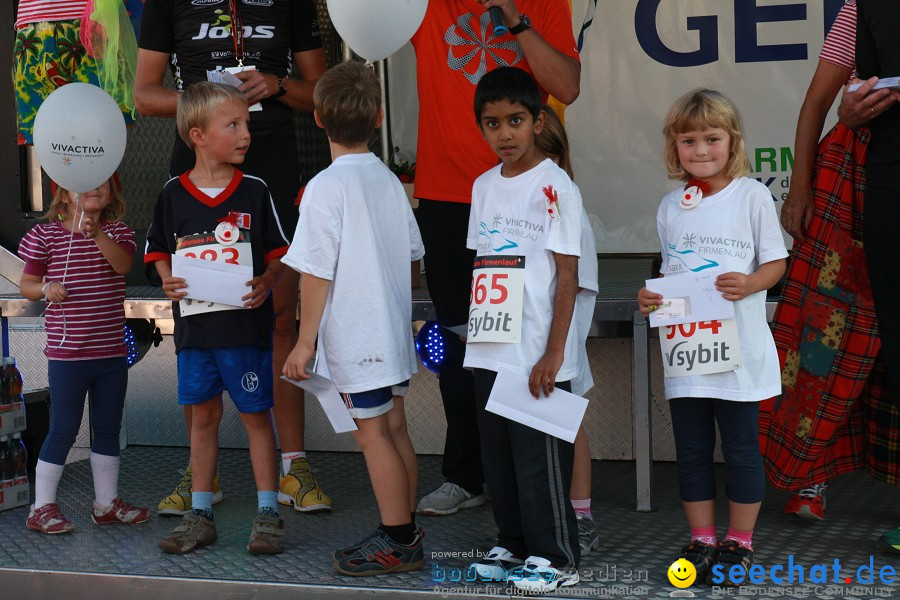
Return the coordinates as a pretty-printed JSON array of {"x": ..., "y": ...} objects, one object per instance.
[
  {"x": 212, "y": 281},
  {"x": 695, "y": 298},
  {"x": 559, "y": 415},
  {"x": 327, "y": 395}
]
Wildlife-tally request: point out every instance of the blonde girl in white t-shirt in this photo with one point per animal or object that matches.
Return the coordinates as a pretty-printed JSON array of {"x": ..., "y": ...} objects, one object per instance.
[{"x": 720, "y": 219}]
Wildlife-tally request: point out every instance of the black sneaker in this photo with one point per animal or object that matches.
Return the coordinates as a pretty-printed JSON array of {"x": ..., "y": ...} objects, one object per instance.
[
  {"x": 379, "y": 554},
  {"x": 730, "y": 553},
  {"x": 701, "y": 555}
]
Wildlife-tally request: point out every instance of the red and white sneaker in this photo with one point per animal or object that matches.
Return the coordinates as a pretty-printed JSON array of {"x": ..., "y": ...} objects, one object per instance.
[
  {"x": 48, "y": 519},
  {"x": 809, "y": 503},
  {"x": 119, "y": 513}
]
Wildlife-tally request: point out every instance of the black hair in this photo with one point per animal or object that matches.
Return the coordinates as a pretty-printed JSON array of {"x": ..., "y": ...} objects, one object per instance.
[{"x": 510, "y": 84}]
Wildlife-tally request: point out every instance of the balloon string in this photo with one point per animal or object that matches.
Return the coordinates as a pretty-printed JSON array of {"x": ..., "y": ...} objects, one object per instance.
[{"x": 66, "y": 268}]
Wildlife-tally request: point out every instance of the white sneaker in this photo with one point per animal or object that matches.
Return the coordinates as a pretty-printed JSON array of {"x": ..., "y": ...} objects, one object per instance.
[
  {"x": 496, "y": 565},
  {"x": 448, "y": 499},
  {"x": 539, "y": 577}
]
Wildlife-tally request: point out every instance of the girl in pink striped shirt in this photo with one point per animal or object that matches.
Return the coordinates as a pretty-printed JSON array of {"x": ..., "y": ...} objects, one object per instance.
[{"x": 77, "y": 262}]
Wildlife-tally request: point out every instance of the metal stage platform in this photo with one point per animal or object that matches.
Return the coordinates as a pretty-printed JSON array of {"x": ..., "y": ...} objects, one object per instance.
[{"x": 635, "y": 553}]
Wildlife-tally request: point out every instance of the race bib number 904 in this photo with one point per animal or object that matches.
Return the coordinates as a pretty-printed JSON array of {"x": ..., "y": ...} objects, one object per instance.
[
  {"x": 700, "y": 348},
  {"x": 495, "y": 301}
]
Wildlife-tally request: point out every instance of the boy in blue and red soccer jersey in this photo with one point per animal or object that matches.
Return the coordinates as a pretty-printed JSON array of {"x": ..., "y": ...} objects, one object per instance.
[{"x": 217, "y": 213}]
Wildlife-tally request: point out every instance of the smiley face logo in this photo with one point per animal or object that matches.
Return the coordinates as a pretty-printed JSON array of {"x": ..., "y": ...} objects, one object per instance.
[{"x": 682, "y": 573}]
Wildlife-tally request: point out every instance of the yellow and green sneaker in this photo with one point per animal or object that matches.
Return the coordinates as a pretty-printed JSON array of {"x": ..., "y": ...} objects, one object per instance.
[
  {"x": 300, "y": 489},
  {"x": 178, "y": 503}
]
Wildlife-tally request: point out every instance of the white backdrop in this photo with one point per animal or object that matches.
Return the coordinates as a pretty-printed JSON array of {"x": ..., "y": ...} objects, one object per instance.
[{"x": 638, "y": 56}]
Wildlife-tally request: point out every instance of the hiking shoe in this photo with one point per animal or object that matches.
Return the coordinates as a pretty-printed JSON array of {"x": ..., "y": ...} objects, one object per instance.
[
  {"x": 194, "y": 532},
  {"x": 588, "y": 538},
  {"x": 300, "y": 489},
  {"x": 728, "y": 554},
  {"x": 890, "y": 541},
  {"x": 379, "y": 554},
  {"x": 496, "y": 565},
  {"x": 178, "y": 503},
  {"x": 48, "y": 519},
  {"x": 702, "y": 556},
  {"x": 267, "y": 535},
  {"x": 119, "y": 512},
  {"x": 808, "y": 503},
  {"x": 538, "y": 576},
  {"x": 448, "y": 499}
]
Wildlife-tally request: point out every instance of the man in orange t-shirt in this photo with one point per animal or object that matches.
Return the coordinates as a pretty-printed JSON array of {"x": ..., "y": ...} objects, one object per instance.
[{"x": 455, "y": 46}]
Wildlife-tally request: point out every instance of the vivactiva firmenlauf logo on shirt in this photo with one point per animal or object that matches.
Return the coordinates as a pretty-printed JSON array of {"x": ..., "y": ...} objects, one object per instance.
[
  {"x": 492, "y": 239},
  {"x": 687, "y": 260}
]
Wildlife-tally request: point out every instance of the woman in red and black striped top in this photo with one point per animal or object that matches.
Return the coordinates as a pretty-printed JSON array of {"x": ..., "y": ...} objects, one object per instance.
[{"x": 77, "y": 261}]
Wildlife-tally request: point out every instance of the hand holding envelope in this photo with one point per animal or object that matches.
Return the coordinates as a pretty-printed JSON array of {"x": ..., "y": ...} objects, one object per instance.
[
  {"x": 689, "y": 298},
  {"x": 211, "y": 281}
]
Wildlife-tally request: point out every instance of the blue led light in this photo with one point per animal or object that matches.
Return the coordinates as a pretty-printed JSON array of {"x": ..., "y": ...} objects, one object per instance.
[
  {"x": 132, "y": 345},
  {"x": 430, "y": 346}
]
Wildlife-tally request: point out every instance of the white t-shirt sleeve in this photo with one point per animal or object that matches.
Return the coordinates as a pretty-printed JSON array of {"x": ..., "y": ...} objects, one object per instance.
[
  {"x": 766, "y": 229},
  {"x": 417, "y": 248},
  {"x": 564, "y": 236},
  {"x": 317, "y": 242},
  {"x": 472, "y": 233}
]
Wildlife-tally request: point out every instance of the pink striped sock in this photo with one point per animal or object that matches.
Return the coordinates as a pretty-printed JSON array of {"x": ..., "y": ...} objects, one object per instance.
[
  {"x": 744, "y": 538},
  {"x": 707, "y": 534},
  {"x": 582, "y": 507}
]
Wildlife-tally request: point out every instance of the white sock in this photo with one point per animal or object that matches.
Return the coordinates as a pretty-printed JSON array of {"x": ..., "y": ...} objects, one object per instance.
[
  {"x": 287, "y": 457},
  {"x": 105, "y": 470},
  {"x": 46, "y": 480}
]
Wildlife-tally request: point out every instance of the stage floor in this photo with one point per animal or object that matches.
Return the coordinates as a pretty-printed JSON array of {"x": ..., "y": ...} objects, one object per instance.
[{"x": 636, "y": 548}]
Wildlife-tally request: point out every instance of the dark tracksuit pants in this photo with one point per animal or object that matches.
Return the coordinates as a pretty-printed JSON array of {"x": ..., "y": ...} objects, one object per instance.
[{"x": 528, "y": 475}]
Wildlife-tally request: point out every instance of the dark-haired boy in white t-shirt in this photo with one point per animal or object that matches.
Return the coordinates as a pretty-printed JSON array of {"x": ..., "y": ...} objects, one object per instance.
[{"x": 525, "y": 226}]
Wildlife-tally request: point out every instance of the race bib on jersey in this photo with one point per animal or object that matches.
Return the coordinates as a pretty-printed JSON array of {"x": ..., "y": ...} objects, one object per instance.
[
  {"x": 206, "y": 246},
  {"x": 700, "y": 348},
  {"x": 496, "y": 299}
]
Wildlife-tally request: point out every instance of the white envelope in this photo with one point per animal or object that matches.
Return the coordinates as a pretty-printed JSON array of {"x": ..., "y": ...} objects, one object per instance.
[
  {"x": 327, "y": 395},
  {"x": 212, "y": 281},
  {"x": 703, "y": 301},
  {"x": 559, "y": 415}
]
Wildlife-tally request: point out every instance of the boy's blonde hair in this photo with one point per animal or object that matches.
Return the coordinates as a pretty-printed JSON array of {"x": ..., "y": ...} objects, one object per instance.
[
  {"x": 112, "y": 212},
  {"x": 197, "y": 103},
  {"x": 348, "y": 101},
  {"x": 698, "y": 110},
  {"x": 553, "y": 142}
]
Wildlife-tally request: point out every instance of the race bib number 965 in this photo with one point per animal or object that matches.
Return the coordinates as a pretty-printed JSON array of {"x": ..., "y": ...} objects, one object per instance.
[{"x": 495, "y": 301}]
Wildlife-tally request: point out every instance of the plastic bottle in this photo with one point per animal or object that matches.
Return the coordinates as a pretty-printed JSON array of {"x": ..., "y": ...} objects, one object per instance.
[
  {"x": 4, "y": 384},
  {"x": 13, "y": 378},
  {"x": 20, "y": 454},
  {"x": 7, "y": 460}
]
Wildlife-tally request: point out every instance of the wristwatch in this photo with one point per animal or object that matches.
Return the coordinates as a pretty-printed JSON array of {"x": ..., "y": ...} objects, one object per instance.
[
  {"x": 282, "y": 87},
  {"x": 524, "y": 24}
]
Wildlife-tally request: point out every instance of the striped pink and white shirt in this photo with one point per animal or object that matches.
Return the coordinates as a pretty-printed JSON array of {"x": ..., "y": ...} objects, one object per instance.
[
  {"x": 92, "y": 318},
  {"x": 840, "y": 43},
  {"x": 33, "y": 11}
]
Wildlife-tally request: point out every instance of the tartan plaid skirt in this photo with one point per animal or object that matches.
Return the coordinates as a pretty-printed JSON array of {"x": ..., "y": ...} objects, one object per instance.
[{"x": 834, "y": 415}]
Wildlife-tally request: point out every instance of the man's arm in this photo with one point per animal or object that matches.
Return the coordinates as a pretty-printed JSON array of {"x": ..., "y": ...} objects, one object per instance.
[
  {"x": 259, "y": 86},
  {"x": 554, "y": 70},
  {"x": 151, "y": 97}
]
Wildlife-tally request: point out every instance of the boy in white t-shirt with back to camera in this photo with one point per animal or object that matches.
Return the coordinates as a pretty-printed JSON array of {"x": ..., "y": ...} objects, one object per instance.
[
  {"x": 354, "y": 243},
  {"x": 525, "y": 225}
]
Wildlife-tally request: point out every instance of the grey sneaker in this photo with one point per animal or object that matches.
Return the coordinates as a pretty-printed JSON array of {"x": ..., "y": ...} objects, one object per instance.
[
  {"x": 448, "y": 499},
  {"x": 195, "y": 531},
  {"x": 267, "y": 535},
  {"x": 588, "y": 538}
]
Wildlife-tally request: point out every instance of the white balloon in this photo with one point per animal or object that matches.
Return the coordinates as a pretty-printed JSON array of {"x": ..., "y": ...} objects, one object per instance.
[
  {"x": 375, "y": 29},
  {"x": 79, "y": 136}
]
